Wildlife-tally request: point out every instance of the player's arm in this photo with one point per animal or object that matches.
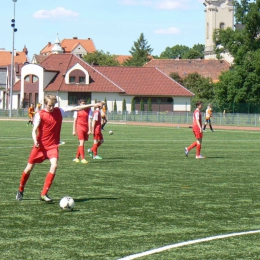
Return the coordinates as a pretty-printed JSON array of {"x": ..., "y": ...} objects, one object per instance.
[
  {"x": 36, "y": 123},
  {"x": 90, "y": 129},
  {"x": 74, "y": 123},
  {"x": 78, "y": 108}
]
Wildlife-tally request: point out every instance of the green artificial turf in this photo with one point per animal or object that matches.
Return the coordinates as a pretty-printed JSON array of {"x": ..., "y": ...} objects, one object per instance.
[{"x": 144, "y": 194}]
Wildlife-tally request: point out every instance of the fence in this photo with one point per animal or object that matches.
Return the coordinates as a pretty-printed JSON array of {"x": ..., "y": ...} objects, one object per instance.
[{"x": 236, "y": 119}]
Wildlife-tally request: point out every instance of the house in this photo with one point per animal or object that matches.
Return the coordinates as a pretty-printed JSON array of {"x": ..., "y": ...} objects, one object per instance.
[
  {"x": 20, "y": 58},
  {"x": 70, "y": 78},
  {"x": 76, "y": 46},
  {"x": 206, "y": 68}
]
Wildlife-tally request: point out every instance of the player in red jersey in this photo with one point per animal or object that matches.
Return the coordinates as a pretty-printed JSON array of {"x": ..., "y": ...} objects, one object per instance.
[
  {"x": 82, "y": 127},
  {"x": 46, "y": 138},
  {"x": 97, "y": 128},
  {"x": 197, "y": 130}
]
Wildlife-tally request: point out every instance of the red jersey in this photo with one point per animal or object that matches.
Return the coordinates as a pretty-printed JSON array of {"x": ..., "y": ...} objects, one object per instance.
[
  {"x": 97, "y": 118},
  {"x": 49, "y": 128},
  {"x": 197, "y": 115},
  {"x": 82, "y": 119}
]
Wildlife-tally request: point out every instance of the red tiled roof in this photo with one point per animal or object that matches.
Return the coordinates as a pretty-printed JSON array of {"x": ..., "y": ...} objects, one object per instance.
[
  {"x": 144, "y": 81},
  {"x": 6, "y": 57},
  {"x": 125, "y": 80},
  {"x": 122, "y": 58},
  {"x": 70, "y": 44},
  {"x": 206, "y": 68}
]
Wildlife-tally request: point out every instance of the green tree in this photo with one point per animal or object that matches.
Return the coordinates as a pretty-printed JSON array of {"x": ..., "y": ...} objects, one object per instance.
[
  {"x": 133, "y": 105},
  {"x": 176, "y": 76},
  {"x": 200, "y": 48},
  {"x": 105, "y": 100},
  {"x": 89, "y": 101},
  {"x": 242, "y": 83},
  {"x": 115, "y": 106},
  {"x": 174, "y": 52},
  {"x": 192, "y": 54},
  {"x": 124, "y": 105},
  {"x": 141, "y": 105},
  {"x": 149, "y": 104},
  {"x": 101, "y": 58},
  {"x": 203, "y": 88},
  {"x": 141, "y": 53}
]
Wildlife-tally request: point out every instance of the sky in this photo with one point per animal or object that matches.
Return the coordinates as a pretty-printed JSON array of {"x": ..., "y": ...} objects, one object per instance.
[{"x": 113, "y": 25}]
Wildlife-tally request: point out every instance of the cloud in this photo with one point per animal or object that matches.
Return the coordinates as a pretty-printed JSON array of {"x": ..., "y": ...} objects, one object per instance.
[
  {"x": 171, "y": 30},
  {"x": 59, "y": 12},
  {"x": 159, "y": 4}
]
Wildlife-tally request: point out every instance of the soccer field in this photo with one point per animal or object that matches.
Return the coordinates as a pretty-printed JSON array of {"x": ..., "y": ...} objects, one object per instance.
[{"x": 144, "y": 195}]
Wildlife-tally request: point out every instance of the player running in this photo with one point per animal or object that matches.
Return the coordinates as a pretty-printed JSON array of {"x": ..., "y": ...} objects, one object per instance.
[{"x": 31, "y": 114}]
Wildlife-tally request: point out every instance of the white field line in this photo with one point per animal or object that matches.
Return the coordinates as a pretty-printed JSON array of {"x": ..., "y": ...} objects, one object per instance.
[{"x": 196, "y": 241}]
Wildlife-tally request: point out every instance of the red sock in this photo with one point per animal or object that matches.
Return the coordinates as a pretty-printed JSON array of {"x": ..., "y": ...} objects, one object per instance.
[
  {"x": 192, "y": 146},
  {"x": 94, "y": 149},
  {"x": 24, "y": 178},
  {"x": 198, "y": 149},
  {"x": 78, "y": 153},
  {"x": 82, "y": 152},
  {"x": 48, "y": 182}
]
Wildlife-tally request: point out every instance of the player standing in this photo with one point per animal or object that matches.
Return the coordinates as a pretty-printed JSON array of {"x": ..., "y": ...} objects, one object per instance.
[
  {"x": 46, "y": 138},
  {"x": 208, "y": 116},
  {"x": 82, "y": 127},
  {"x": 31, "y": 114},
  {"x": 97, "y": 128},
  {"x": 103, "y": 117},
  {"x": 197, "y": 130}
]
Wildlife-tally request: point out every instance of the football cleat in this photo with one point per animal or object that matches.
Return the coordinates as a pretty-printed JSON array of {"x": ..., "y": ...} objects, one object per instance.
[
  {"x": 97, "y": 157},
  {"x": 46, "y": 198},
  {"x": 186, "y": 151},
  {"x": 84, "y": 161},
  {"x": 19, "y": 195},
  {"x": 200, "y": 157}
]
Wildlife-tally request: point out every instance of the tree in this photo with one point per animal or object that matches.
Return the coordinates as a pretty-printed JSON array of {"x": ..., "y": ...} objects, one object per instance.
[
  {"x": 149, "y": 104},
  {"x": 242, "y": 83},
  {"x": 174, "y": 52},
  {"x": 101, "y": 58},
  {"x": 141, "y": 105},
  {"x": 115, "y": 106},
  {"x": 105, "y": 100},
  {"x": 192, "y": 54},
  {"x": 124, "y": 105},
  {"x": 133, "y": 105},
  {"x": 176, "y": 76},
  {"x": 140, "y": 52},
  {"x": 200, "y": 48}
]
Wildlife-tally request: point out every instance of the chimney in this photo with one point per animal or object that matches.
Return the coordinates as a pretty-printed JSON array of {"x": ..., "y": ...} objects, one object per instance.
[
  {"x": 75, "y": 38},
  {"x": 14, "y": 52},
  {"x": 49, "y": 44},
  {"x": 25, "y": 50}
]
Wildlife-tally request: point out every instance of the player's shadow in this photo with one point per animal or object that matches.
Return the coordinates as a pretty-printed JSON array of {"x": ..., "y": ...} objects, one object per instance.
[{"x": 87, "y": 199}]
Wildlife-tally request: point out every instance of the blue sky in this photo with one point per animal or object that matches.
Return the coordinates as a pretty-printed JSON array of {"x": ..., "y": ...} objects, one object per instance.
[{"x": 113, "y": 25}]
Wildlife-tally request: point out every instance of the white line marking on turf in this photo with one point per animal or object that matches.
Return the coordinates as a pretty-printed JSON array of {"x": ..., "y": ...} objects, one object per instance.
[{"x": 164, "y": 248}]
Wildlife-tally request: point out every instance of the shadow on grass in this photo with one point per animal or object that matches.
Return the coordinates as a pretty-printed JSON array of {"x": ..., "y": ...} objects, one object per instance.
[{"x": 87, "y": 199}]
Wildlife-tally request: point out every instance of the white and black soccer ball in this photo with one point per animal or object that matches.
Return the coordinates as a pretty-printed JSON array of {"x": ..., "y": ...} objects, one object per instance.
[
  {"x": 110, "y": 132},
  {"x": 67, "y": 203}
]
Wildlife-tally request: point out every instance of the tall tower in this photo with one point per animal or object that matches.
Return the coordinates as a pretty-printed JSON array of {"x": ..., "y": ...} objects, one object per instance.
[{"x": 219, "y": 15}]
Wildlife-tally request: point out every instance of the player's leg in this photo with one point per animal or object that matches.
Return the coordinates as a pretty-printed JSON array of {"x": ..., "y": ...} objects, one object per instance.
[
  {"x": 53, "y": 156},
  {"x": 24, "y": 178}
]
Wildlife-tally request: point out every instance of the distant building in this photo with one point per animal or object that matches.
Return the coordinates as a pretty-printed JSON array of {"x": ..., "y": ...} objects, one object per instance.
[
  {"x": 70, "y": 78},
  {"x": 76, "y": 46},
  {"x": 219, "y": 14},
  {"x": 206, "y": 68}
]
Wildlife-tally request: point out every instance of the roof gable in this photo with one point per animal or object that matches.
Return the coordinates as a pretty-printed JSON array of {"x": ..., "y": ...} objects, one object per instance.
[{"x": 6, "y": 56}]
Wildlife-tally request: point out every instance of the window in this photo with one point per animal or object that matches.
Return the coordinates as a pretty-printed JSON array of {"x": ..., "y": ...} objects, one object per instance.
[
  {"x": 27, "y": 78},
  {"x": 35, "y": 78},
  {"x": 72, "y": 79},
  {"x": 81, "y": 79},
  {"x": 222, "y": 26}
]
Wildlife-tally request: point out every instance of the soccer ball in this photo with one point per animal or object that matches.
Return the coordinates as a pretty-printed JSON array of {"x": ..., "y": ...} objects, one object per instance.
[
  {"x": 110, "y": 132},
  {"x": 67, "y": 203}
]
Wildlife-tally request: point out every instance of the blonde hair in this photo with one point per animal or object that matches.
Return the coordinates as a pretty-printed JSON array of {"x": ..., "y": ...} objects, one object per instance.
[{"x": 51, "y": 98}]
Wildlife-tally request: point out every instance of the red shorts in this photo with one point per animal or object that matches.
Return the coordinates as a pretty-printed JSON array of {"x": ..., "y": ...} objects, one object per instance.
[
  {"x": 98, "y": 136},
  {"x": 198, "y": 134},
  {"x": 82, "y": 135},
  {"x": 38, "y": 155}
]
